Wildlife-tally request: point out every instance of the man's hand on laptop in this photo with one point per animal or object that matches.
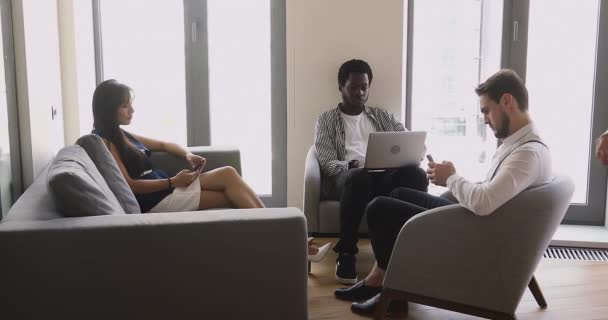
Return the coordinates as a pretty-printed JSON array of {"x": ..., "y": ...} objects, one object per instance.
[{"x": 438, "y": 173}]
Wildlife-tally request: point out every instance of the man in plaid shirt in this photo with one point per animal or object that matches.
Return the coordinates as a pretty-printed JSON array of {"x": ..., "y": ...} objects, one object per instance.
[{"x": 341, "y": 136}]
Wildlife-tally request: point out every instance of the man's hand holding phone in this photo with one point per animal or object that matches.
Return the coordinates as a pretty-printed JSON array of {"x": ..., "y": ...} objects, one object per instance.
[{"x": 438, "y": 173}]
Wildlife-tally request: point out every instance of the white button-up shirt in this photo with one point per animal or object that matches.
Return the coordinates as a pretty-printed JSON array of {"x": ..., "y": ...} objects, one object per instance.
[{"x": 516, "y": 166}]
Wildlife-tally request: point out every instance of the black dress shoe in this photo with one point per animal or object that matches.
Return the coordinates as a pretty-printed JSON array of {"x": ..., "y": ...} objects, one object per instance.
[
  {"x": 358, "y": 292},
  {"x": 367, "y": 308}
]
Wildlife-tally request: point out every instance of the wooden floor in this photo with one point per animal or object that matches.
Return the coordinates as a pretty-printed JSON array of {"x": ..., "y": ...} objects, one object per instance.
[{"x": 575, "y": 290}]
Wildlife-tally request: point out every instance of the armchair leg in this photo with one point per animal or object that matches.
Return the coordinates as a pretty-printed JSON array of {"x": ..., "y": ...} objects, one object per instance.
[
  {"x": 386, "y": 297},
  {"x": 382, "y": 306},
  {"x": 537, "y": 293}
]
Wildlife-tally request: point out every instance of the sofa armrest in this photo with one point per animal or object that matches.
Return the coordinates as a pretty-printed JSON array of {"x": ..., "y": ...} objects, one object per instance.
[
  {"x": 222, "y": 264},
  {"x": 217, "y": 156},
  {"x": 312, "y": 190}
]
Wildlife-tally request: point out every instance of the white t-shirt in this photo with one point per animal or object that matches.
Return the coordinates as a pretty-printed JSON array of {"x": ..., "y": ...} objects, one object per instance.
[{"x": 356, "y": 130}]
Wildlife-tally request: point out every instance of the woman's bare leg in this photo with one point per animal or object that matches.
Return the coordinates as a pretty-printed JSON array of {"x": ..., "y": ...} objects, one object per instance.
[
  {"x": 213, "y": 200},
  {"x": 228, "y": 181}
]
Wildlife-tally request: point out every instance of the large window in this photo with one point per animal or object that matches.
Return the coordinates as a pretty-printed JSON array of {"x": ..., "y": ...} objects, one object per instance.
[
  {"x": 561, "y": 74},
  {"x": 557, "y": 46},
  {"x": 239, "y": 84},
  {"x": 5, "y": 146},
  {"x": 148, "y": 55},
  {"x": 445, "y": 68},
  {"x": 10, "y": 169},
  {"x": 205, "y": 72},
  {"x": 555, "y": 97}
]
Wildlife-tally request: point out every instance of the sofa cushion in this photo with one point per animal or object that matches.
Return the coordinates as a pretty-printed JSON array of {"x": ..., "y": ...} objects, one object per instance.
[
  {"x": 107, "y": 166},
  {"x": 77, "y": 186},
  {"x": 36, "y": 203}
]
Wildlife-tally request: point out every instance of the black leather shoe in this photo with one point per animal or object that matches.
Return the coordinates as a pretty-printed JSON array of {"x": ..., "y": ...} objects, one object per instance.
[
  {"x": 367, "y": 308},
  {"x": 358, "y": 292}
]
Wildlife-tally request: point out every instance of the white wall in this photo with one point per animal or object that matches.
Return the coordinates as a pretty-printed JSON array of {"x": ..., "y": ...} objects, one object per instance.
[
  {"x": 321, "y": 35},
  {"x": 77, "y": 66},
  {"x": 38, "y": 83},
  {"x": 69, "y": 75}
]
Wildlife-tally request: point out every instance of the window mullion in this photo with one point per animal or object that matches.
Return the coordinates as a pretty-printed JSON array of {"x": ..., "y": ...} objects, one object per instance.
[
  {"x": 515, "y": 36},
  {"x": 197, "y": 73}
]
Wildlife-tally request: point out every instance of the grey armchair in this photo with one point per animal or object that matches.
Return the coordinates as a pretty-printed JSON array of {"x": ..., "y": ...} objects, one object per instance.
[
  {"x": 452, "y": 259},
  {"x": 323, "y": 216}
]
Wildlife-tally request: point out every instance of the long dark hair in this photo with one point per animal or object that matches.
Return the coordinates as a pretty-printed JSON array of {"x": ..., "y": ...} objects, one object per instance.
[{"x": 108, "y": 97}]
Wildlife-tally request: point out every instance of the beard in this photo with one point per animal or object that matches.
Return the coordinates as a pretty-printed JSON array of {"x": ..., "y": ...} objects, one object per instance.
[
  {"x": 502, "y": 130},
  {"x": 353, "y": 101}
]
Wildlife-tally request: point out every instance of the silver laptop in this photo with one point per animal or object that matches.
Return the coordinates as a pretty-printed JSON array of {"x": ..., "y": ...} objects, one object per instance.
[{"x": 388, "y": 150}]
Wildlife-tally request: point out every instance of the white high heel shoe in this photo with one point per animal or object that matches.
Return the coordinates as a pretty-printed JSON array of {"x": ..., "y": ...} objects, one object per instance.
[{"x": 322, "y": 251}]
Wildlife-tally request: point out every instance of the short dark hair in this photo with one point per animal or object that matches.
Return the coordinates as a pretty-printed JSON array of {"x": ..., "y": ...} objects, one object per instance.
[
  {"x": 353, "y": 66},
  {"x": 505, "y": 81}
]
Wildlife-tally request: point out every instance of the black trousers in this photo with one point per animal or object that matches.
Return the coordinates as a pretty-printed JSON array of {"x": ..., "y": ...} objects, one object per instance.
[
  {"x": 387, "y": 215},
  {"x": 356, "y": 187}
]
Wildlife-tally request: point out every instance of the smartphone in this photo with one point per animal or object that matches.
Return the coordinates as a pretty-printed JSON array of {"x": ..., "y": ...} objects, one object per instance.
[
  {"x": 200, "y": 167},
  {"x": 430, "y": 158}
]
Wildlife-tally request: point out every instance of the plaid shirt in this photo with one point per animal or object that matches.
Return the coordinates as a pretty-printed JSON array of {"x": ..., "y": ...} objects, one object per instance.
[{"x": 330, "y": 139}]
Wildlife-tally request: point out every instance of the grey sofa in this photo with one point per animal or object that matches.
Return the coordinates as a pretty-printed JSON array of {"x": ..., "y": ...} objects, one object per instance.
[
  {"x": 323, "y": 216},
  {"x": 450, "y": 258},
  {"x": 217, "y": 264}
]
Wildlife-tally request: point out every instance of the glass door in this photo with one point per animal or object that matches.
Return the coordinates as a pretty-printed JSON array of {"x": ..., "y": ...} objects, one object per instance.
[{"x": 564, "y": 70}]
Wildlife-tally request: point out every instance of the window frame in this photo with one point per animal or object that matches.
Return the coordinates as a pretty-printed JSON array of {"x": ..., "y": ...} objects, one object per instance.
[
  {"x": 514, "y": 56},
  {"x": 197, "y": 85},
  {"x": 11, "y": 97}
]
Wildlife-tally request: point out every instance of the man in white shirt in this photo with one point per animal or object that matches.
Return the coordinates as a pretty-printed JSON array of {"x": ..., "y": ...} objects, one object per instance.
[
  {"x": 522, "y": 161},
  {"x": 341, "y": 136}
]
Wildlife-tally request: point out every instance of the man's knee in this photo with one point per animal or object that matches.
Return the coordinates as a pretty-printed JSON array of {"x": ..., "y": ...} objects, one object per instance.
[
  {"x": 375, "y": 210},
  {"x": 398, "y": 193},
  {"x": 406, "y": 194},
  {"x": 414, "y": 177}
]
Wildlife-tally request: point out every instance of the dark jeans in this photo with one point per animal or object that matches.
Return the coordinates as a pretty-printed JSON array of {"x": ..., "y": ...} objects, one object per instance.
[
  {"x": 356, "y": 187},
  {"x": 387, "y": 215}
]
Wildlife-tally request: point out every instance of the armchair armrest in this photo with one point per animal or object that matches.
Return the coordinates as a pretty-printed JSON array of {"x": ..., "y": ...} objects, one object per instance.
[
  {"x": 312, "y": 189},
  {"x": 217, "y": 156},
  {"x": 187, "y": 265}
]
